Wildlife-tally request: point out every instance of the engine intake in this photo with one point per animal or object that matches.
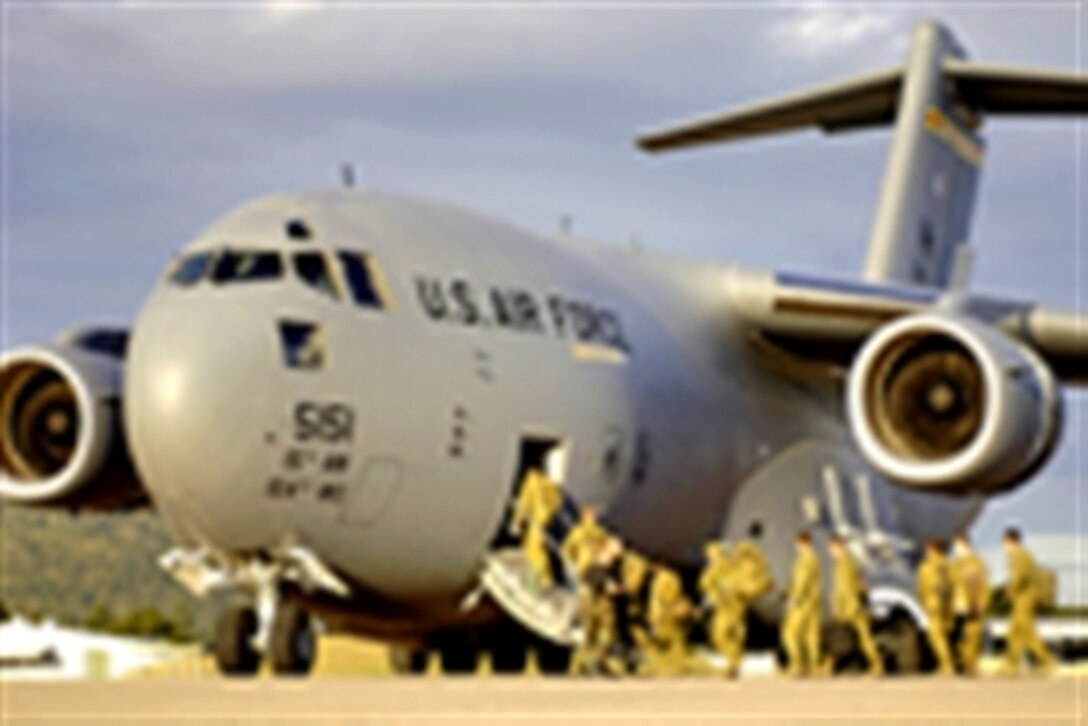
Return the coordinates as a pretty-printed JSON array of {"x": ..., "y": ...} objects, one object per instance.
[
  {"x": 62, "y": 443},
  {"x": 943, "y": 402}
]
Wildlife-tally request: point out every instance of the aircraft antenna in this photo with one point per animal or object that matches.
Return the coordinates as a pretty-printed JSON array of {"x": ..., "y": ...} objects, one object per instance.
[{"x": 347, "y": 175}]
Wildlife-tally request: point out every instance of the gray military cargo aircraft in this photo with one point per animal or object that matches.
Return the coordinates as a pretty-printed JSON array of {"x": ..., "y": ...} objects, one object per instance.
[{"x": 331, "y": 398}]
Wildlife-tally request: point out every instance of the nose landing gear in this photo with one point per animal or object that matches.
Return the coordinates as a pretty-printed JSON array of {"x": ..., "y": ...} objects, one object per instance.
[
  {"x": 293, "y": 646},
  {"x": 235, "y": 653},
  {"x": 287, "y": 640},
  {"x": 272, "y": 625}
]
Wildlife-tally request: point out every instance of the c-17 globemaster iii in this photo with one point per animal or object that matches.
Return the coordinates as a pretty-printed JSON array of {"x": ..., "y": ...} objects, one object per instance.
[{"x": 331, "y": 398}]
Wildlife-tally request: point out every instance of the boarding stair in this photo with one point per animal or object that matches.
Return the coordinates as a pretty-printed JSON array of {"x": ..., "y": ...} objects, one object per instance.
[{"x": 506, "y": 576}]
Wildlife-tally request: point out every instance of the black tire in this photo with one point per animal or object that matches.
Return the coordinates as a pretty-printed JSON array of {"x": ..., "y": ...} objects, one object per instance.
[
  {"x": 293, "y": 646},
  {"x": 458, "y": 657},
  {"x": 234, "y": 651},
  {"x": 509, "y": 655},
  {"x": 900, "y": 643},
  {"x": 552, "y": 659},
  {"x": 408, "y": 661}
]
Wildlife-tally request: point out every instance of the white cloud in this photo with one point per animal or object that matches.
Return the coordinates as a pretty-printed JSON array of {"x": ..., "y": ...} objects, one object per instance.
[
  {"x": 282, "y": 10},
  {"x": 285, "y": 45},
  {"x": 819, "y": 30}
]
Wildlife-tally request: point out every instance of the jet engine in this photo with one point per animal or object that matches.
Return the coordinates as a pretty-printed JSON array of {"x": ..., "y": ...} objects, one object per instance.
[
  {"x": 942, "y": 402},
  {"x": 62, "y": 443}
]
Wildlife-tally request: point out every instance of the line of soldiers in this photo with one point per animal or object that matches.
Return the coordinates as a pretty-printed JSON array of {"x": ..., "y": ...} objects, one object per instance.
[
  {"x": 955, "y": 596},
  {"x": 634, "y": 613},
  {"x": 636, "y": 616}
]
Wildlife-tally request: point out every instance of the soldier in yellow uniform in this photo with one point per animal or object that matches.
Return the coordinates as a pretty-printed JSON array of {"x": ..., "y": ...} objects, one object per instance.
[
  {"x": 718, "y": 586},
  {"x": 801, "y": 628},
  {"x": 934, "y": 596},
  {"x": 631, "y": 607},
  {"x": 600, "y": 584},
  {"x": 669, "y": 611},
  {"x": 970, "y": 599},
  {"x": 1022, "y": 590},
  {"x": 582, "y": 549},
  {"x": 584, "y": 541},
  {"x": 848, "y": 601},
  {"x": 753, "y": 575},
  {"x": 751, "y": 581},
  {"x": 538, "y": 501}
]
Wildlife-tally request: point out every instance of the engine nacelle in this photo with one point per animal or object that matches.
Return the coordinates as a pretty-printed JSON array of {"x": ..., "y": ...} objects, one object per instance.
[
  {"x": 61, "y": 440},
  {"x": 942, "y": 402}
]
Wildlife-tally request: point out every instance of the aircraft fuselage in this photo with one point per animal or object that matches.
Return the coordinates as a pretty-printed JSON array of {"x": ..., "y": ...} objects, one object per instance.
[{"x": 372, "y": 391}]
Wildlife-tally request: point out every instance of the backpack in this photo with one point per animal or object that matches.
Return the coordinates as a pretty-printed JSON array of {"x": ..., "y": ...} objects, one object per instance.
[
  {"x": 756, "y": 581},
  {"x": 1045, "y": 581}
]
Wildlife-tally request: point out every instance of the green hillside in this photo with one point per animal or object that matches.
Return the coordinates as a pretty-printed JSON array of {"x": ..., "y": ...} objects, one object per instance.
[{"x": 67, "y": 567}]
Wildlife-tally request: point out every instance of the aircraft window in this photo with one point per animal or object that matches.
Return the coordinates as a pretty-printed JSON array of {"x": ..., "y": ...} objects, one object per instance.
[
  {"x": 360, "y": 279},
  {"x": 314, "y": 272},
  {"x": 303, "y": 344},
  {"x": 247, "y": 266},
  {"x": 191, "y": 269}
]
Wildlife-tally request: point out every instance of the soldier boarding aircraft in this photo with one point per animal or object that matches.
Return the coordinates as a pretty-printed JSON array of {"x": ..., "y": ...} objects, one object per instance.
[{"x": 331, "y": 398}]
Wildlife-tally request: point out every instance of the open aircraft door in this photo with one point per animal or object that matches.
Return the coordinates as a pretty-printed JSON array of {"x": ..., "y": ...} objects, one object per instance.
[{"x": 505, "y": 574}]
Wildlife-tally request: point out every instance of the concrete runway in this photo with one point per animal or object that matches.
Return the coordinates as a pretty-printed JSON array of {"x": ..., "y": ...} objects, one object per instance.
[{"x": 537, "y": 700}]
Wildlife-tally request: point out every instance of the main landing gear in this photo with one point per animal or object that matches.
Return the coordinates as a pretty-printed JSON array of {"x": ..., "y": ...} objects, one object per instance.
[{"x": 509, "y": 651}]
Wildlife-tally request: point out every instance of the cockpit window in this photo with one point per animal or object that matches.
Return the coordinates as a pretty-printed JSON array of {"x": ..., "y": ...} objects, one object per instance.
[
  {"x": 313, "y": 270},
  {"x": 360, "y": 279},
  {"x": 191, "y": 269},
  {"x": 247, "y": 266}
]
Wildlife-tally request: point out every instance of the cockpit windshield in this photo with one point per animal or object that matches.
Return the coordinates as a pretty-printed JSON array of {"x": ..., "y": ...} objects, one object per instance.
[
  {"x": 360, "y": 279},
  {"x": 339, "y": 275},
  {"x": 191, "y": 269},
  {"x": 247, "y": 266},
  {"x": 313, "y": 270}
]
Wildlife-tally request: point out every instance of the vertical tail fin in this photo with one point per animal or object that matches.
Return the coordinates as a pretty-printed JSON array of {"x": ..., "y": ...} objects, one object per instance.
[
  {"x": 936, "y": 101},
  {"x": 928, "y": 194}
]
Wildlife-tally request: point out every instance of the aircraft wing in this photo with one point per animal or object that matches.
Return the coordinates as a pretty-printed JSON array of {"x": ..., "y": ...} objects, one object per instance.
[{"x": 823, "y": 321}]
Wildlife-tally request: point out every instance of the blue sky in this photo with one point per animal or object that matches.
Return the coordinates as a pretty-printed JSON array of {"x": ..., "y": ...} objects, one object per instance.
[{"x": 130, "y": 126}]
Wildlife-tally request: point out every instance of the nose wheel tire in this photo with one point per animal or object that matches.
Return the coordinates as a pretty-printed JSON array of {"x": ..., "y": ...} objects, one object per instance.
[
  {"x": 293, "y": 646},
  {"x": 235, "y": 654}
]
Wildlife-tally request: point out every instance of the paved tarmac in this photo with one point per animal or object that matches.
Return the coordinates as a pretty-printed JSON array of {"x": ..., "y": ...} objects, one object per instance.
[{"x": 1059, "y": 700}]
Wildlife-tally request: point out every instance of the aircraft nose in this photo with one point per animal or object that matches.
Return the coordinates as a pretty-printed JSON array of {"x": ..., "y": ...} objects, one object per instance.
[{"x": 196, "y": 424}]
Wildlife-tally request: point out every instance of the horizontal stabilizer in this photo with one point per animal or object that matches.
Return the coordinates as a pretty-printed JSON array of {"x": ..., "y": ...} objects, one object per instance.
[
  {"x": 873, "y": 100},
  {"x": 862, "y": 101},
  {"x": 1013, "y": 90}
]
